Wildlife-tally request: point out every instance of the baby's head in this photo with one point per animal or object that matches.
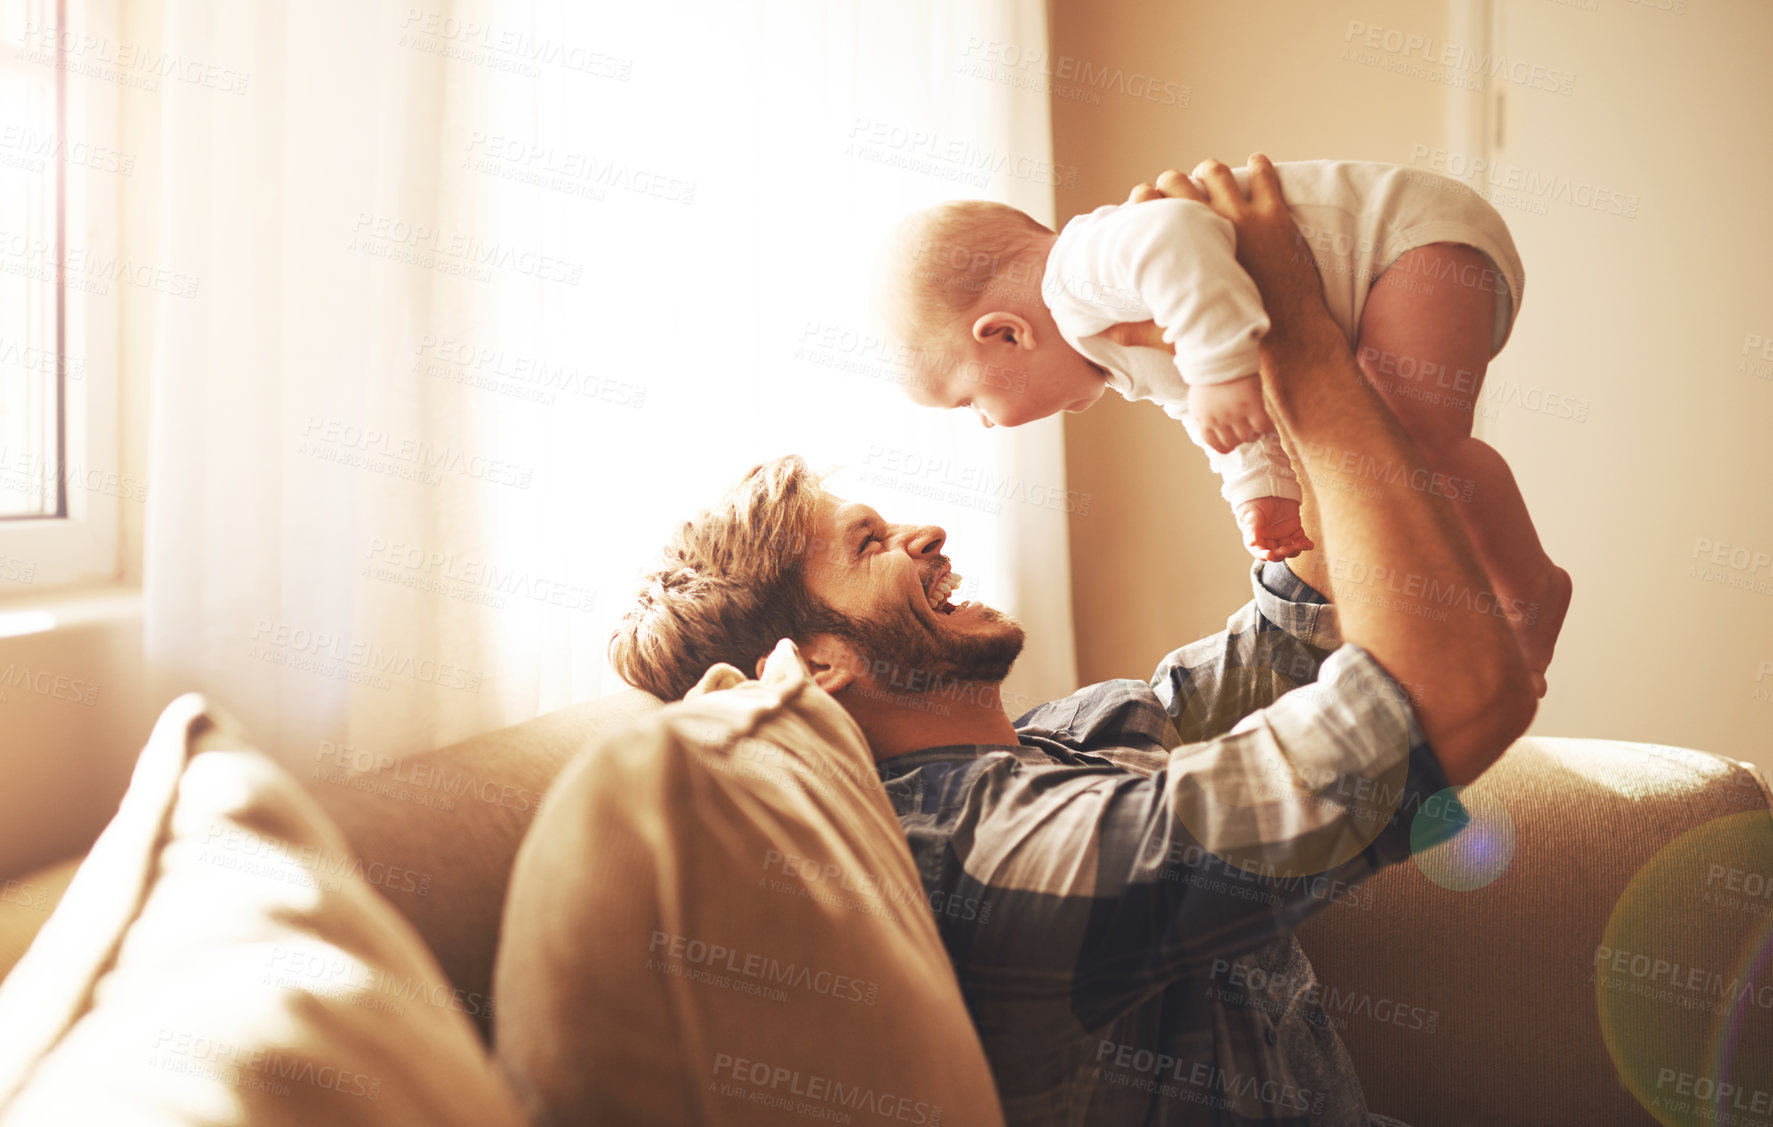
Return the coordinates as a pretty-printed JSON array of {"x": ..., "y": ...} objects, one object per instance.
[{"x": 959, "y": 285}]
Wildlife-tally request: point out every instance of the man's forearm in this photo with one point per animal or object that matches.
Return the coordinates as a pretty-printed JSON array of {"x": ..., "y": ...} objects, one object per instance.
[
  {"x": 1400, "y": 567},
  {"x": 1396, "y": 560}
]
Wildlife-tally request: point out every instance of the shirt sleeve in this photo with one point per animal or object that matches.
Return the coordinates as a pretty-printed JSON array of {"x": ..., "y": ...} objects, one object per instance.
[
  {"x": 1180, "y": 257},
  {"x": 1136, "y": 882},
  {"x": 1258, "y": 468}
]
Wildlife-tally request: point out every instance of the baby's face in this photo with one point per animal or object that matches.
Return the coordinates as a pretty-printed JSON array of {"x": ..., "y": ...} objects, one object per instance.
[{"x": 1012, "y": 377}]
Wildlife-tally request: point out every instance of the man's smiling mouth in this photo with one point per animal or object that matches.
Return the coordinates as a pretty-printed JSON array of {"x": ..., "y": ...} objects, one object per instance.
[{"x": 936, "y": 590}]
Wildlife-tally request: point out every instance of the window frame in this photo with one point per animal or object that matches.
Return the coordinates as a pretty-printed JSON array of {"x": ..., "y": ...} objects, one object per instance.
[{"x": 81, "y": 545}]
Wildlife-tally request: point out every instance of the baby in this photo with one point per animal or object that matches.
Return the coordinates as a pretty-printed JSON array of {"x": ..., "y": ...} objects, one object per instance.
[{"x": 1018, "y": 322}]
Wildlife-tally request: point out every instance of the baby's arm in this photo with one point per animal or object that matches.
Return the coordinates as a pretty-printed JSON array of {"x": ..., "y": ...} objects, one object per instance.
[
  {"x": 1260, "y": 485},
  {"x": 1230, "y": 413},
  {"x": 1181, "y": 261},
  {"x": 1173, "y": 262}
]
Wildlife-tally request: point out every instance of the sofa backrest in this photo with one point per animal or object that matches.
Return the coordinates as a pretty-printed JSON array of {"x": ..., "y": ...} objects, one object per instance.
[
  {"x": 1454, "y": 1001},
  {"x": 438, "y": 831}
]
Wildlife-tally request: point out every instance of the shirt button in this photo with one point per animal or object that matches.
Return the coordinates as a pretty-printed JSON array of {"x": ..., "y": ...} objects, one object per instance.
[{"x": 1272, "y": 1036}]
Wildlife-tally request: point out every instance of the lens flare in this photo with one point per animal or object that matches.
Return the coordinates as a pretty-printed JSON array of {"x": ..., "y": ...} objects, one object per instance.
[
  {"x": 1472, "y": 858},
  {"x": 1683, "y": 976}
]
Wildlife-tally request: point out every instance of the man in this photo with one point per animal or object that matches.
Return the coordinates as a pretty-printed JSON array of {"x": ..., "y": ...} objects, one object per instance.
[{"x": 1116, "y": 875}]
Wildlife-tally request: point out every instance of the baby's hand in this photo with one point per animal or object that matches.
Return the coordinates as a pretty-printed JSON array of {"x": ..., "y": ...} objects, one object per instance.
[
  {"x": 1231, "y": 413},
  {"x": 1271, "y": 528}
]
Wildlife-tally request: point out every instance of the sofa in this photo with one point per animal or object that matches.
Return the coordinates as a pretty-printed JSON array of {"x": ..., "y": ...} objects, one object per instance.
[{"x": 1597, "y": 951}]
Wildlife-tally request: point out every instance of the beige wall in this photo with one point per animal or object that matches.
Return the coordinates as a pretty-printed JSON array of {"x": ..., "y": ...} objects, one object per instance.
[
  {"x": 1645, "y": 314},
  {"x": 1264, "y": 76},
  {"x": 1632, "y": 401}
]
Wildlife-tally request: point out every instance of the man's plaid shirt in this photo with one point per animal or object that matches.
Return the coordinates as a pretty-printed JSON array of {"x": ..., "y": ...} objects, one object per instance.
[{"x": 1118, "y": 892}]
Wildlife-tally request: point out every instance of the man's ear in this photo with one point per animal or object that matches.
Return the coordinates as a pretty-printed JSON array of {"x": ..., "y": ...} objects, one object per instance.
[
  {"x": 834, "y": 664},
  {"x": 1003, "y": 327}
]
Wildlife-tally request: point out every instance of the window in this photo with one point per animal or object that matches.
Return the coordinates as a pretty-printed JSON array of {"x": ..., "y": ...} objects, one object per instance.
[{"x": 58, "y": 192}]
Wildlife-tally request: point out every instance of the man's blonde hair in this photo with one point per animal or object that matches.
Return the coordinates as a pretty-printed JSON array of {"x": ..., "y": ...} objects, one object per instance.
[
  {"x": 942, "y": 264},
  {"x": 732, "y": 584}
]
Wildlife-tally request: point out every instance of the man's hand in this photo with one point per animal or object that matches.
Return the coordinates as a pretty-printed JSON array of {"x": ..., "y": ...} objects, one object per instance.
[
  {"x": 1271, "y": 528},
  {"x": 1140, "y": 334},
  {"x": 1230, "y": 413},
  {"x": 1269, "y": 245}
]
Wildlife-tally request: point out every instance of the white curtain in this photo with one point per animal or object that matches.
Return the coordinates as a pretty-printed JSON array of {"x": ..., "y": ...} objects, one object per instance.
[{"x": 492, "y": 294}]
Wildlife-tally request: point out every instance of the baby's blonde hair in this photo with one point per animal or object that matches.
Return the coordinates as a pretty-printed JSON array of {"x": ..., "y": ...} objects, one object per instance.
[{"x": 940, "y": 265}]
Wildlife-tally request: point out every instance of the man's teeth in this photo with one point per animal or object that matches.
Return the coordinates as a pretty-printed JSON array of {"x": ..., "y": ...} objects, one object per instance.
[{"x": 942, "y": 588}]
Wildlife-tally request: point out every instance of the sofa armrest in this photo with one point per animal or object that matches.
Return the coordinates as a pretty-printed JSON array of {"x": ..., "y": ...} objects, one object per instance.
[{"x": 1592, "y": 974}]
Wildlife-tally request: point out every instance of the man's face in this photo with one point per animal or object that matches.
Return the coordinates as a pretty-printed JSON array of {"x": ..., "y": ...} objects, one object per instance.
[{"x": 880, "y": 576}]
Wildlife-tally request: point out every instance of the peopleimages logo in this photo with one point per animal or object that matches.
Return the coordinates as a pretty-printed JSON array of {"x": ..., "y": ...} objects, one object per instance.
[
  {"x": 1064, "y": 76},
  {"x": 1712, "y": 1095},
  {"x": 575, "y": 173},
  {"x": 372, "y": 768},
  {"x": 812, "y": 1095},
  {"x": 1680, "y": 984},
  {"x": 505, "y": 48},
  {"x": 1199, "y": 1081},
  {"x": 1412, "y": 53},
  {"x": 27, "y": 255},
  {"x": 948, "y": 158},
  {"x": 204, "y": 1057},
  {"x": 320, "y": 651},
  {"x": 1511, "y": 185},
  {"x": 44, "y": 683},
  {"x": 127, "y": 64},
  {"x": 468, "y": 577},
  {"x": 721, "y": 962},
  {"x": 966, "y": 486},
  {"x": 39, "y": 146},
  {"x": 1757, "y": 350},
  {"x": 456, "y": 252}
]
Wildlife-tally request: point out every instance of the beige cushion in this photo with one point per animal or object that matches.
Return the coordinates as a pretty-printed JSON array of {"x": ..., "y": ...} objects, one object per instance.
[
  {"x": 716, "y": 920},
  {"x": 1611, "y": 954},
  {"x": 220, "y": 959},
  {"x": 455, "y": 816}
]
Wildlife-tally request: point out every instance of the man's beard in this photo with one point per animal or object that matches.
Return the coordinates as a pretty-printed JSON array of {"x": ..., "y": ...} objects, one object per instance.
[{"x": 901, "y": 653}]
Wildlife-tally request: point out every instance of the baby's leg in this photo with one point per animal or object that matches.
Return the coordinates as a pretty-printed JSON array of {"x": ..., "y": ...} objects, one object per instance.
[{"x": 1425, "y": 339}]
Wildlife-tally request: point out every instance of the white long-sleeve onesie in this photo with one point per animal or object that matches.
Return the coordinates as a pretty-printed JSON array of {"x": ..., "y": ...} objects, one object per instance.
[{"x": 1175, "y": 262}]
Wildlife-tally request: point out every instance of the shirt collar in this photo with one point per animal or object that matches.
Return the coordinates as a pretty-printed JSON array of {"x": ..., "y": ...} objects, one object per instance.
[
  {"x": 1294, "y": 605},
  {"x": 910, "y": 761}
]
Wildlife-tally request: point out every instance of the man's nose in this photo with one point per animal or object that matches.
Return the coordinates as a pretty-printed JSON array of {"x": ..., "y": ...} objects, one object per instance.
[{"x": 926, "y": 541}]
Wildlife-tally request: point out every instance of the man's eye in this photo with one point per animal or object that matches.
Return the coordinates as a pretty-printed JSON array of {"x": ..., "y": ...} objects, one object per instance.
[{"x": 867, "y": 540}]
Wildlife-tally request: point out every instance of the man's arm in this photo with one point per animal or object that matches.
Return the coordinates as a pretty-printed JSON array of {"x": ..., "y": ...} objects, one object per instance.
[
  {"x": 1109, "y": 884},
  {"x": 1399, "y": 565}
]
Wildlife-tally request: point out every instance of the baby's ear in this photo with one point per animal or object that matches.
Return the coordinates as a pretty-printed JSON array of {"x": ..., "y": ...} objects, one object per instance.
[{"x": 1002, "y": 327}]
